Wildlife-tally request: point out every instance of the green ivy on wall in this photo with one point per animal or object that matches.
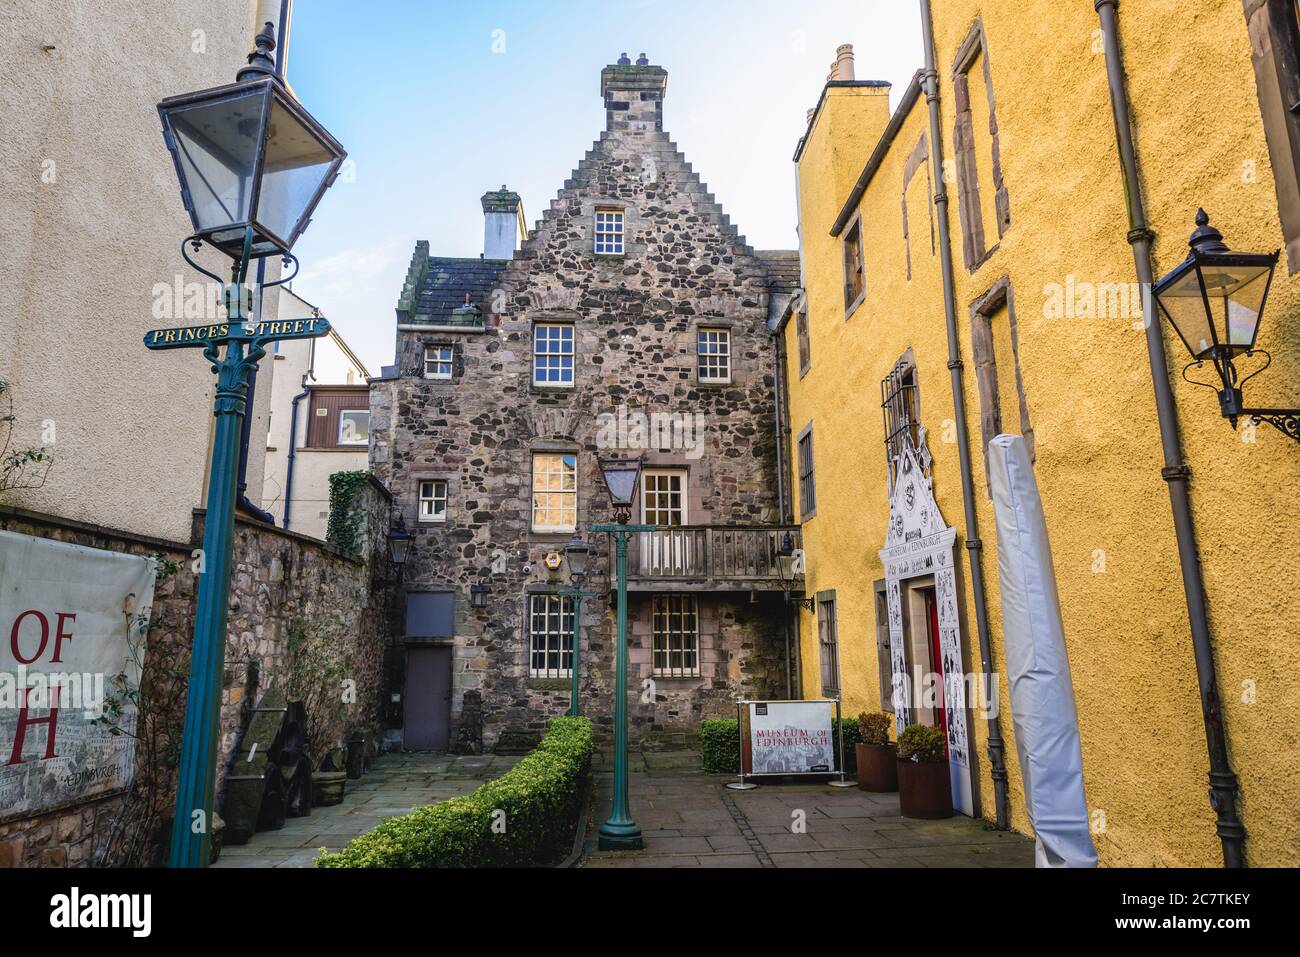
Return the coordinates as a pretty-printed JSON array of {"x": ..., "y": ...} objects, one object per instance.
[{"x": 346, "y": 521}]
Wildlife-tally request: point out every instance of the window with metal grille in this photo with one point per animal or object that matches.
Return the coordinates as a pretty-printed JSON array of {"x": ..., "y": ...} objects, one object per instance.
[
  {"x": 807, "y": 485},
  {"x": 676, "y": 636},
  {"x": 609, "y": 232},
  {"x": 555, "y": 492},
  {"x": 714, "y": 347},
  {"x": 829, "y": 640},
  {"x": 550, "y": 630},
  {"x": 438, "y": 362},
  {"x": 855, "y": 280},
  {"x": 901, "y": 407},
  {"x": 553, "y": 353},
  {"x": 433, "y": 500}
]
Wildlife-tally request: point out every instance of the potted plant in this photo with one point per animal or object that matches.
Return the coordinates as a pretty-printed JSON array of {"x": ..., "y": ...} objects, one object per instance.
[
  {"x": 877, "y": 755},
  {"x": 329, "y": 783},
  {"x": 924, "y": 788}
]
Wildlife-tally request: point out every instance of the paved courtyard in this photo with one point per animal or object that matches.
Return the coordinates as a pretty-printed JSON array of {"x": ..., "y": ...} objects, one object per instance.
[
  {"x": 690, "y": 819},
  {"x": 396, "y": 784}
]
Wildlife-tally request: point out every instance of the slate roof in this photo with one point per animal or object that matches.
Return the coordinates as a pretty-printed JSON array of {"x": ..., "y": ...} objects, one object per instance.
[
  {"x": 436, "y": 286},
  {"x": 782, "y": 268}
]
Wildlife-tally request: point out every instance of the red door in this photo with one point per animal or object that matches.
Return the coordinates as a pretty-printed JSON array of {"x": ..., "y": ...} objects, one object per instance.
[{"x": 936, "y": 656}]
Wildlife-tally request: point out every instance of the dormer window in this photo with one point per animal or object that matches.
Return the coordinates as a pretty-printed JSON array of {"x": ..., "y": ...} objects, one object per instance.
[{"x": 609, "y": 232}]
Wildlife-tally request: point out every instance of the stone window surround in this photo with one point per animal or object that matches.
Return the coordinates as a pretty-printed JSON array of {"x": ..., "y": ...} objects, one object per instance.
[
  {"x": 707, "y": 324},
  {"x": 854, "y": 226},
  {"x": 906, "y": 363},
  {"x": 419, "y": 500},
  {"x": 694, "y": 673},
  {"x": 525, "y": 655},
  {"x": 807, "y": 432},
  {"x": 983, "y": 356},
  {"x": 975, "y": 249},
  {"x": 439, "y": 344},
  {"x": 920, "y": 156},
  {"x": 418, "y": 475},
  {"x": 709, "y": 655},
  {"x": 884, "y": 660},
  {"x": 658, "y": 461},
  {"x": 1275, "y": 54},
  {"x": 803, "y": 338},
  {"x": 556, "y": 318},
  {"x": 553, "y": 447},
  {"x": 610, "y": 234},
  {"x": 603, "y": 203},
  {"x": 826, "y": 598},
  {"x": 561, "y": 673}
]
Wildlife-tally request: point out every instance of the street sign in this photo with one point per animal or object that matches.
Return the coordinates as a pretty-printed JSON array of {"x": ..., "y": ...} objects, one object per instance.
[{"x": 215, "y": 333}]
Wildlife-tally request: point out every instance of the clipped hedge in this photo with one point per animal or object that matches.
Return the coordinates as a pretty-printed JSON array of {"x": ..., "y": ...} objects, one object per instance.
[
  {"x": 720, "y": 745},
  {"x": 539, "y": 797}
]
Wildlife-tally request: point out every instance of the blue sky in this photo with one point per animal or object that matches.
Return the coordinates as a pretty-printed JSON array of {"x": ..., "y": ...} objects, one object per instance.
[{"x": 437, "y": 102}]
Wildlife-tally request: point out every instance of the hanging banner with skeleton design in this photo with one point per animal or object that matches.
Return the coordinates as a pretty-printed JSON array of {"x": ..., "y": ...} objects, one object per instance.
[{"x": 919, "y": 544}]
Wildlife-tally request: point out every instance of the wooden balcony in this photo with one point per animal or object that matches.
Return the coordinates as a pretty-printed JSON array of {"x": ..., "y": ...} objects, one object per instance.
[{"x": 709, "y": 558}]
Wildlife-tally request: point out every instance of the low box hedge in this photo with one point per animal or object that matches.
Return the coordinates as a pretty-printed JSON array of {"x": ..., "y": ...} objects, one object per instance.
[
  {"x": 525, "y": 818},
  {"x": 720, "y": 745}
]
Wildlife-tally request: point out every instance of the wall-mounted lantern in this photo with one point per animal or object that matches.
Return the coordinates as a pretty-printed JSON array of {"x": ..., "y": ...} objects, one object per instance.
[
  {"x": 399, "y": 543},
  {"x": 1215, "y": 299},
  {"x": 785, "y": 566}
]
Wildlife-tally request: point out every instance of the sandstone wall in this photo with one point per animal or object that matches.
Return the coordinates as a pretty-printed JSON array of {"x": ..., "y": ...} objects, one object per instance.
[{"x": 280, "y": 579}]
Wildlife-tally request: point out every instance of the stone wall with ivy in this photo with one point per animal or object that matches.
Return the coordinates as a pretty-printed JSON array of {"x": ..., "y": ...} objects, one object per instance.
[{"x": 305, "y": 616}]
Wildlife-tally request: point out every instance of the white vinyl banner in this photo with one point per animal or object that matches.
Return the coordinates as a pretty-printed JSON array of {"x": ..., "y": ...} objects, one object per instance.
[
  {"x": 791, "y": 737},
  {"x": 69, "y": 618},
  {"x": 1038, "y": 670}
]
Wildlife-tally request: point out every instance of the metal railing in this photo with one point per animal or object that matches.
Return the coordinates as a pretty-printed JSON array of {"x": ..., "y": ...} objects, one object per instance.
[{"x": 710, "y": 553}]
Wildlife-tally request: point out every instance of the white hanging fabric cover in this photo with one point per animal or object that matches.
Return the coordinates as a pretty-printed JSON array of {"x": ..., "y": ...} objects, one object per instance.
[{"x": 1038, "y": 671}]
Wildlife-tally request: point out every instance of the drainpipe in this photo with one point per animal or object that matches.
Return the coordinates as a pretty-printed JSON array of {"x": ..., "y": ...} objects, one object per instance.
[
  {"x": 1177, "y": 475},
  {"x": 246, "y": 433},
  {"x": 293, "y": 444},
  {"x": 778, "y": 362},
  {"x": 974, "y": 547}
]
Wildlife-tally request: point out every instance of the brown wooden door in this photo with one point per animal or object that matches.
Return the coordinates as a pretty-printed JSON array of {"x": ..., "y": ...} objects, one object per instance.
[{"x": 428, "y": 698}]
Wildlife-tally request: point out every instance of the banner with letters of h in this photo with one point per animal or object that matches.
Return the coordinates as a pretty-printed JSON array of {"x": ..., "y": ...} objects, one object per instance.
[{"x": 72, "y": 627}]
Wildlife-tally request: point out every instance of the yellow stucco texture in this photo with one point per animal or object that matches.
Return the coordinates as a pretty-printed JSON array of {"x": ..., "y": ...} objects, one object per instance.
[{"x": 1089, "y": 395}]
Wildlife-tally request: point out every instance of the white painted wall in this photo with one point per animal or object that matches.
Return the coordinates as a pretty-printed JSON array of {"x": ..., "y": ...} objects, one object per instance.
[
  {"x": 325, "y": 361},
  {"x": 91, "y": 222}
]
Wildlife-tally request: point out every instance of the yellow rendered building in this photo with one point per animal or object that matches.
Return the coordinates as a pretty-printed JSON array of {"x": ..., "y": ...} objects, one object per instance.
[{"x": 1046, "y": 229}]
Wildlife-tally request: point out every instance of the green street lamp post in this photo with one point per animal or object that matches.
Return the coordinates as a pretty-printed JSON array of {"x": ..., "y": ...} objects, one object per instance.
[
  {"x": 577, "y": 552},
  {"x": 252, "y": 165},
  {"x": 620, "y": 832}
]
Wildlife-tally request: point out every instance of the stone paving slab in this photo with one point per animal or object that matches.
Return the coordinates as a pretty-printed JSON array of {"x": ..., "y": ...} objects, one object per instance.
[
  {"x": 396, "y": 784},
  {"x": 690, "y": 819}
]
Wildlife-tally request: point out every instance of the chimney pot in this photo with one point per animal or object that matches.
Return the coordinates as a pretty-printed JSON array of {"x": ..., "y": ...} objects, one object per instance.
[
  {"x": 642, "y": 60},
  {"x": 844, "y": 64},
  {"x": 624, "y": 61}
]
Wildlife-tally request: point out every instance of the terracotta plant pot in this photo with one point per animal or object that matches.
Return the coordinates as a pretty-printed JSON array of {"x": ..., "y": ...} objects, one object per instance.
[
  {"x": 877, "y": 767},
  {"x": 924, "y": 789},
  {"x": 327, "y": 788}
]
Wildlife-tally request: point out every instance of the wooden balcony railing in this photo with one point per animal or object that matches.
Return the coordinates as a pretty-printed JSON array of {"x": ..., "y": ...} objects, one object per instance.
[{"x": 711, "y": 555}]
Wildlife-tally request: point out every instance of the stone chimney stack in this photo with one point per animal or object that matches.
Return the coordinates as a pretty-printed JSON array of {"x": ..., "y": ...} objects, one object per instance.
[
  {"x": 503, "y": 223},
  {"x": 634, "y": 95}
]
